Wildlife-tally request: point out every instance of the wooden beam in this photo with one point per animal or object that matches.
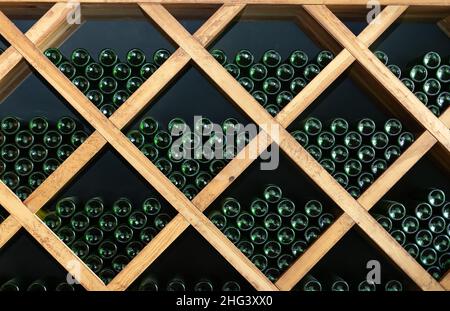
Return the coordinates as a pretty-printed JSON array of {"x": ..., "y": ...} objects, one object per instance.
[
  {"x": 289, "y": 145},
  {"x": 445, "y": 282},
  {"x": 48, "y": 240},
  {"x": 444, "y": 25},
  {"x": 381, "y": 73},
  {"x": 50, "y": 30}
]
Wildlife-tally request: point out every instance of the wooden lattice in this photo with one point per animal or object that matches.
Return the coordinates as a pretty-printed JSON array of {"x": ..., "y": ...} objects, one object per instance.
[{"x": 52, "y": 29}]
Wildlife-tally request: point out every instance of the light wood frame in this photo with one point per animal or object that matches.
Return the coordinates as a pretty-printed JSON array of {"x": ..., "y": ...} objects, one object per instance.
[{"x": 52, "y": 29}]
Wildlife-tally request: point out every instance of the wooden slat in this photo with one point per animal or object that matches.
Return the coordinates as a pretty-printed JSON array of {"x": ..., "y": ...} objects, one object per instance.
[
  {"x": 48, "y": 240},
  {"x": 134, "y": 156},
  {"x": 381, "y": 73},
  {"x": 289, "y": 145},
  {"x": 50, "y": 30},
  {"x": 445, "y": 282},
  {"x": 444, "y": 25}
]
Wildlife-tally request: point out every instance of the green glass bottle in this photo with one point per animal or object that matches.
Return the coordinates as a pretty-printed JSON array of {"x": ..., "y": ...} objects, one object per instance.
[
  {"x": 285, "y": 72},
  {"x": 122, "y": 207},
  {"x": 23, "y": 192},
  {"x": 203, "y": 286},
  {"x": 339, "y": 284},
  {"x": 67, "y": 69},
  {"x": 260, "y": 261},
  {"x": 147, "y": 70},
  {"x": 271, "y": 86},
  {"x": 366, "y": 127},
  {"x": 339, "y": 126},
  {"x": 231, "y": 207},
  {"x": 93, "y": 236},
  {"x": 38, "y": 125},
  {"x": 393, "y": 286},
  {"x": 341, "y": 178},
  {"x": 94, "y": 207},
  {"x": 107, "y": 85},
  {"x": 286, "y": 207},
  {"x": 80, "y": 248},
  {"x": 445, "y": 211},
  {"x": 50, "y": 165},
  {"x": 176, "y": 285},
  {"x": 313, "y": 208},
  {"x": 219, "y": 55},
  {"x": 423, "y": 238},
  {"x": 431, "y": 60},
  {"x": 78, "y": 138},
  {"x": 135, "y": 58},
  {"x": 136, "y": 137},
  {"x": 324, "y": 58},
  {"x": 325, "y": 220},
  {"x": 382, "y": 57},
  {"x": 231, "y": 286},
  {"x": 312, "y": 126},
  {"x": 259, "y": 208},
  {"x": 258, "y": 72},
  {"x": 392, "y": 127},
  {"x": 64, "y": 151},
  {"x": 54, "y": 55},
  {"x": 147, "y": 234},
  {"x": 396, "y": 71},
  {"x": 53, "y": 221},
  {"x": 443, "y": 74},
  {"x": 94, "y": 72},
  {"x": 107, "y": 58},
  {"x": 233, "y": 234},
  {"x": 284, "y": 261},
  {"x": 216, "y": 166},
  {"x": 311, "y": 234},
  {"x": 328, "y": 165},
  {"x": 272, "y": 274},
  {"x": 66, "y": 234},
  {"x": 123, "y": 234},
  {"x": 310, "y": 284},
  {"x": 79, "y": 222},
  {"x": 179, "y": 180},
  {"x": 164, "y": 165},
  {"x": 365, "y": 180},
  {"x": 422, "y": 97},
  {"x": 190, "y": 191},
  {"x": 137, "y": 220},
  {"x": 441, "y": 243},
  {"x": 119, "y": 98},
  {"x": 412, "y": 249},
  {"x": 325, "y": 140},
  {"x": 365, "y": 286},
  {"x": 286, "y": 235},
  {"x": 107, "y": 110},
  {"x": 24, "y": 139},
  {"x": 352, "y": 167},
  {"x": 23, "y": 166},
  {"x": 133, "y": 84},
  {"x": 298, "y": 248},
  {"x": 428, "y": 257},
  {"x": 410, "y": 224},
  {"x": 96, "y": 97},
  {"x": 299, "y": 221},
  {"x": 80, "y": 58},
  {"x": 64, "y": 287},
  {"x": 435, "y": 197},
  {"x": 133, "y": 248},
  {"x": 399, "y": 236},
  {"x": 301, "y": 137},
  {"x": 404, "y": 140},
  {"x": 410, "y": 85},
  {"x": 271, "y": 59},
  {"x": 107, "y": 250},
  {"x": 311, "y": 71},
  {"x": 284, "y": 98},
  {"x": 418, "y": 73},
  {"x": 352, "y": 140},
  {"x": 298, "y": 59},
  {"x": 431, "y": 87},
  {"x": 10, "y": 125},
  {"x": 272, "y": 222},
  {"x": 13, "y": 285},
  {"x": 259, "y": 235},
  {"x": 119, "y": 262},
  {"x": 366, "y": 154},
  {"x": 160, "y": 56},
  {"x": 272, "y": 109},
  {"x": 233, "y": 70},
  {"x": 435, "y": 272},
  {"x": 66, "y": 207},
  {"x": 94, "y": 262},
  {"x": 106, "y": 275},
  {"x": 162, "y": 220},
  {"x": 437, "y": 224},
  {"x": 296, "y": 85},
  {"x": 162, "y": 139},
  {"x": 272, "y": 249},
  {"x": 272, "y": 193},
  {"x": 339, "y": 154},
  {"x": 423, "y": 211},
  {"x": 81, "y": 83},
  {"x": 52, "y": 139},
  {"x": 379, "y": 140},
  {"x": 202, "y": 179},
  {"x": 219, "y": 220}
]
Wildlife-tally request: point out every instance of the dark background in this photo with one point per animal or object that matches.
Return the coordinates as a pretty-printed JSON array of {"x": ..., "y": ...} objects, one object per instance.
[{"x": 109, "y": 176}]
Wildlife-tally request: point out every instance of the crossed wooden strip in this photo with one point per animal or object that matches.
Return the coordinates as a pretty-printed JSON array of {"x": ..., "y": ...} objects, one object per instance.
[{"x": 217, "y": 194}]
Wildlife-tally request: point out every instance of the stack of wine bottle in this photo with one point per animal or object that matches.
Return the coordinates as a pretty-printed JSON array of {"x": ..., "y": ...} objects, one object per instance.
[
  {"x": 427, "y": 76},
  {"x": 355, "y": 155},
  {"x": 31, "y": 151},
  {"x": 178, "y": 285},
  {"x": 107, "y": 81},
  {"x": 272, "y": 80},
  {"x": 106, "y": 237},
  {"x": 41, "y": 285},
  {"x": 337, "y": 284},
  {"x": 190, "y": 159},
  {"x": 272, "y": 230},
  {"x": 422, "y": 228}
]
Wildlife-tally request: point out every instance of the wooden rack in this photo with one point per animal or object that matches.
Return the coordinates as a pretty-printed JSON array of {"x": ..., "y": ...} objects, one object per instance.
[{"x": 52, "y": 29}]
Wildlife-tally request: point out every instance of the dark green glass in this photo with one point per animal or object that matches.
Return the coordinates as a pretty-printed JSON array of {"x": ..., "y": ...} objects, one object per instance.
[
  {"x": 393, "y": 286},
  {"x": 233, "y": 234},
  {"x": 119, "y": 262},
  {"x": 81, "y": 83},
  {"x": 94, "y": 262},
  {"x": 78, "y": 138},
  {"x": 164, "y": 165},
  {"x": 354, "y": 191},
  {"x": 108, "y": 222},
  {"x": 94, "y": 71},
  {"x": 312, "y": 126},
  {"x": 80, "y": 249},
  {"x": 66, "y": 207},
  {"x": 324, "y": 58},
  {"x": 328, "y": 165},
  {"x": 38, "y": 125},
  {"x": 445, "y": 211},
  {"x": 133, "y": 248},
  {"x": 106, "y": 275},
  {"x": 311, "y": 71},
  {"x": 422, "y": 97},
  {"x": 435, "y": 272},
  {"x": 271, "y": 58},
  {"x": 150, "y": 151},
  {"x": 94, "y": 207},
  {"x": 423, "y": 211},
  {"x": 352, "y": 167},
  {"x": 219, "y": 220},
  {"x": 79, "y": 222},
  {"x": 272, "y": 249},
  {"x": 66, "y": 125},
  {"x": 246, "y": 248},
  {"x": 298, "y": 59},
  {"x": 80, "y": 57},
  {"x": 258, "y": 72},
  {"x": 96, "y": 97},
  {"x": 412, "y": 249},
  {"x": 178, "y": 179},
  {"x": 52, "y": 139},
  {"x": 151, "y": 206},
  {"x": 107, "y": 58},
  {"x": 441, "y": 243},
  {"x": 431, "y": 60},
  {"x": 23, "y": 192},
  {"x": 121, "y": 72},
  {"x": 216, "y": 166},
  {"x": 135, "y": 58},
  {"x": 410, "y": 85},
  {"x": 285, "y": 72},
  {"x": 259, "y": 235},
  {"x": 284, "y": 98},
  {"x": 54, "y": 55},
  {"x": 418, "y": 73},
  {"x": 66, "y": 234},
  {"x": 392, "y": 127},
  {"x": 107, "y": 85},
  {"x": 202, "y": 179},
  {"x": 245, "y": 221},
  {"x": 122, "y": 207},
  {"x": 366, "y": 127},
  {"x": 443, "y": 74},
  {"x": 123, "y": 234},
  {"x": 24, "y": 139},
  {"x": 339, "y": 154},
  {"x": 365, "y": 180},
  {"x": 315, "y": 152},
  {"x": 161, "y": 220},
  {"x": 137, "y": 220},
  {"x": 339, "y": 285},
  {"x": 231, "y": 286},
  {"x": 391, "y": 153},
  {"x": 271, "y": 86},
  {"x": 107, "y": 250},
  {"x": 272, "y": 109},
  {"x": 428, "y": 257},
  {"x": 23, "y": 166},
  {"x": 382, "y": 57},
  {"x": 53, "y": 221},
  {"x": 437, "y": 224},
  {"x": 64, "y": 151},
  {"x": 93, "y": 236},
  {"x": 284, "y": 261},
  {"x": 301, "y": 137},
  {"x": 148, "y": 126},
  {"x": 378, "y": 166},
  {"x": 36, "y": 179},
  {"x": 352, "y": 140},
  {"x": 313, "y": 208},
  {"x": 325, "y": 220},
  {"x": 379, "y": 140},
  {"x": 244, "y": 59},
  {"x": 10, "y": 153},
  {"x": 431, "y": 87},
  {"x": 162, "y": 139},
  {"x": 50, "y": 165},
  {"x": 396, "y": 71},
  {"x": 67, "y": 69},
  {"x": 136, "y": 137},
  {"x": 365, "y": 286},
  {"x": 147, "y": 70},
  {"x": 272, "y": 193},
  {"x": 399, "y": 236},
  {"x": 310, "y": 284},
  {"x": 160, "y": 56},
  {"x": 299, "y": 222},
  {"x": 259, "y": 208},
  {"x": 395, "y": 210},
  {"x": 339, "y": 126},
  {"x": 435, "y": 110},
  {"x": 366, "y": 154},
  {"x": 119, "y": 98},
  {"x": 147, "y": 234},
  {"x": 231, "y": 207},
  {"x": 190, "y": 191},
  {"x": 423, "y": 238},
  {"x": 326, "y": 140},
  {"x": 10, "y": 125},
  {"x": 219, "y": 56},
  {"x": 296, "y": 85},
  {"x": 247, "y": 83},
  {"x": 133, "y": 84},
  {"x": 405, "y": 139},
  {"x": 272, "y": 222},
  {"x": 233, "y": 70},
  {"x": 410, "y": 224},
  {"x": 203, "y": 286},
  {"x": 176, "y": 286},
  {"x": 286, "y": 207},
  {"x": 341, "y": 178}
]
